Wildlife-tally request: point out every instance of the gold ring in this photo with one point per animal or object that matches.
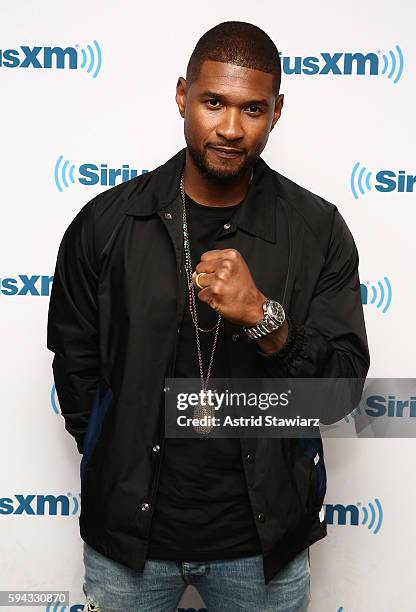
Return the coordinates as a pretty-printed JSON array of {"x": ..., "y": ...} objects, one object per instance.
[{"x": 196, "y": 280}]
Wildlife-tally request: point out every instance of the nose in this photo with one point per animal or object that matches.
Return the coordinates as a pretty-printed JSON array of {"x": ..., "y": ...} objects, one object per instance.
[{"x": 229, "y": 128}]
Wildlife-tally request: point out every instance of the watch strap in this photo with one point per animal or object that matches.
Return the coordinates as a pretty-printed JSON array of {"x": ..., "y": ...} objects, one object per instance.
[{"x": 266, "y": 326}]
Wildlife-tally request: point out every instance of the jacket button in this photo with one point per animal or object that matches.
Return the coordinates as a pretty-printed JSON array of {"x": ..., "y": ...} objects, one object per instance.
[
  {"x": 227, "y": 225},
  {"x": 156, "y": 448},
  {"x": 261, "y": 517},
  {"x": 250, "y": 458},
  {"x": 145, "y": 507},
  {"x": 168, "y": 215},
  {"x": 235, "y": 337}
]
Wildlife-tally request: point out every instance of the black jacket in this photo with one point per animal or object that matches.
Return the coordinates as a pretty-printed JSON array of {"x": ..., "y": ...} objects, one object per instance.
[{"x": 117, "y": 300}]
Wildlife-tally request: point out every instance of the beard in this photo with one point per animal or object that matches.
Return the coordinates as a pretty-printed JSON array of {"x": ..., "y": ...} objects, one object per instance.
[{"x": 218, "y": 174}]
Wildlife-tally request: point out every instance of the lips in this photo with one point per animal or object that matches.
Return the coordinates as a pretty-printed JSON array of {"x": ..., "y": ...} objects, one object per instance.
[{"x": 226, "y": 152}]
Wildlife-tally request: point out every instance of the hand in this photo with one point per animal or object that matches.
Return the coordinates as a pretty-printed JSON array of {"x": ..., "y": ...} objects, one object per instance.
[{"x": 228, "y": 287}]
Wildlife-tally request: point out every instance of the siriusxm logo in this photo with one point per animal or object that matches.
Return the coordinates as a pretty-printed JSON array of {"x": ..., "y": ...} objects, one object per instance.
[
  {"x": 91, "y": 174},
  {"x": 52, "y": 58},
  {"x": 382, "y": 406},
  {"x": 388, "y": 64},
  {"x": 378, "y": 295},
  {"x": 26, "y": 285},
  {"x": 363, "y": 180},
  {"x": 40, "y": 505},
  {"x": 354, "y": 515},
  {"x": 391, "y": 406}
]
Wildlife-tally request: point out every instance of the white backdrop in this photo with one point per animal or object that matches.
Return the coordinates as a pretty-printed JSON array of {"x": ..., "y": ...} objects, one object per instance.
[{"x": 116, "y": 106}]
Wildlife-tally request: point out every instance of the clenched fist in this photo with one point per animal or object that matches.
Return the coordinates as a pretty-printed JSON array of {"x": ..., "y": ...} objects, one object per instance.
[{"x": 228, "y": 287}]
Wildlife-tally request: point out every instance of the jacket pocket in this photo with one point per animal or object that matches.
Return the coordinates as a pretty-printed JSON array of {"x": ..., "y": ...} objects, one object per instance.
[{"x": 98, "y": 411}]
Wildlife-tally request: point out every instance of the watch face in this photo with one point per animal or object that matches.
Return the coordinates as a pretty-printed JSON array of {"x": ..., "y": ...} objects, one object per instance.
[
  {"x": 275, "y": 311},
  {"x": 273, "y": 308}
]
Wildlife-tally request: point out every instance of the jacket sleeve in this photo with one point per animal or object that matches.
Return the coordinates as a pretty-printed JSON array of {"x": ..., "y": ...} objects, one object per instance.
[
  {"x": 332, "y": 342},
  {"x": 72, "y": 329}
]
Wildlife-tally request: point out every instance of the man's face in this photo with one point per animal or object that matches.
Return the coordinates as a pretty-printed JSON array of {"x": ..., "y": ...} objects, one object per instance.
[{"x": 227, "y": 106}]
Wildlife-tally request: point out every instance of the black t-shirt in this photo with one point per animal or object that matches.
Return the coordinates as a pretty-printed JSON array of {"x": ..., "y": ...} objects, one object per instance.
[{"x": 202, "y": 507}]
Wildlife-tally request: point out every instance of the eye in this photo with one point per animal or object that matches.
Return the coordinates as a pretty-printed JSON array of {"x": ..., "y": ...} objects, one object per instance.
[
  {"x": 253, "y": 109},
  {"x": 213, "y": 102}
]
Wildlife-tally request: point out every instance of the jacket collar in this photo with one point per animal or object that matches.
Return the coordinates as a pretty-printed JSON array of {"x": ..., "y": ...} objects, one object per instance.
[{"x": 256, "y": 215}]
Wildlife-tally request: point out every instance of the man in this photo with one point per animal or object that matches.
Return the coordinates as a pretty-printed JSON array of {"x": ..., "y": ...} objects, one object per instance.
[{"x": 213, "y": 264}]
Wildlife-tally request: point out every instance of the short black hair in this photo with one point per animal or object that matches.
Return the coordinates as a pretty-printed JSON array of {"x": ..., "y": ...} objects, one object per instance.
[{"x": 240, "y": 43}]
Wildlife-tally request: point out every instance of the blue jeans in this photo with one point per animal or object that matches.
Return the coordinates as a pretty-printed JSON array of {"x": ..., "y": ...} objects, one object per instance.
[{"x": 234, "y": 585}]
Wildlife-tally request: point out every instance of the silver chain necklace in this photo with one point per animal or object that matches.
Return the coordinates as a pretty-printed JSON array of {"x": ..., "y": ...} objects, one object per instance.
[
  {"x": 203, "y": 409},
  {"x": 191, "y": 295}
]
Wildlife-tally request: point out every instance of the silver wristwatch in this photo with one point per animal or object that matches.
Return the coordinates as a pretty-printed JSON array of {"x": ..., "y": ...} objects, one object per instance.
[{"x": 274, "y": 317}]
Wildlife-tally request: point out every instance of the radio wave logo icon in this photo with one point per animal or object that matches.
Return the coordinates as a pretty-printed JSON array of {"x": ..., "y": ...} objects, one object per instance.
[
  {"x": 91, "y": 58},
  {"x": 54, "y": 400},
  {"x": 64, "y": 173},
  {"x": 372, "y": 516},
  {"x": 381, "y": 294},
  {"x": 360, "y": 180},
  {"x": 393, "y": 64}
]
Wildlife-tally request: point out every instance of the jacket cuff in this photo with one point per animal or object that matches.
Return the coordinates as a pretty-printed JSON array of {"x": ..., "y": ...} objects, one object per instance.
[{"x": 294, "y": 343}]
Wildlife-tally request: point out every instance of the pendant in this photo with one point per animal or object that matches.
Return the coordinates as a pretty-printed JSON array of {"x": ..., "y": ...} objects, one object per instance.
[{"x": 206, "y": 410}]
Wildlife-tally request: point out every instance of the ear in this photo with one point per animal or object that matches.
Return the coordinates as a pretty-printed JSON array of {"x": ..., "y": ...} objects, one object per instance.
[
  {"x": 181, "y": 95},
  {"x": 277, "y": 109}
]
